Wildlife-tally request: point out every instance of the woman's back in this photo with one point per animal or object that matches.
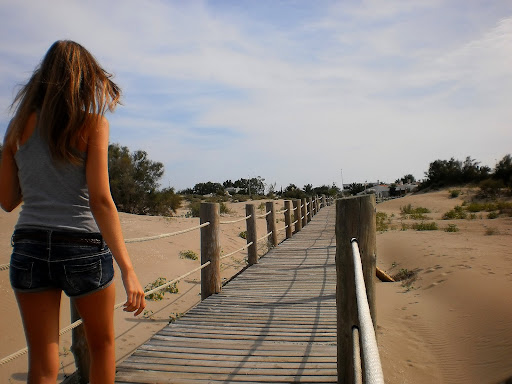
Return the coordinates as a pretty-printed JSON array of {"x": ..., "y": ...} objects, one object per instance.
[{"x": 55, "y": 194}]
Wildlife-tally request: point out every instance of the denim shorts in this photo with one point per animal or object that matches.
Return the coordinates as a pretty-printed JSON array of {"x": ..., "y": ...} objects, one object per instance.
[{"x": 75, "y": 262}]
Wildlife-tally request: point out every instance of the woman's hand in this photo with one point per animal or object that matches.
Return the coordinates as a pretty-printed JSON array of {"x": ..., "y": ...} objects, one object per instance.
[{"x": 135, "y": 300}]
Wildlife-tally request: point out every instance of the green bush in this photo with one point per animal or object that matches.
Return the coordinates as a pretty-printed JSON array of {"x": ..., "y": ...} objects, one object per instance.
[
  {"x": 194, "y": 207},
  {"x": 382, "y": 222},
  {"x": 224, "y": 208},
  {"x": 243, "y": 234},
  {"x": 188, "y": 254},
  {"x": 456, "y": 213},
  {"x": 159, "y": 295},
  {"x": 454, "y": 193},
  {"x": 417, "y": 213},
  {"x": 493, "y": 215},
  {"x": 432, "y": 226},
  {"x": 451, "y": 228},
  {"x": 490, "y": 187}
]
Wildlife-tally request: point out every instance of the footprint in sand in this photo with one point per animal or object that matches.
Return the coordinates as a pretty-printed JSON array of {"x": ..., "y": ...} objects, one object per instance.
[
  {"x": 434, "y": 268},
  {"x": 435, "y": 283}
]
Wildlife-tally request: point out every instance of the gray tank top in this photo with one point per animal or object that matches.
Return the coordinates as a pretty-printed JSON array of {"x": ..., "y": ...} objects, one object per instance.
[{"x": 55, "y": 195}]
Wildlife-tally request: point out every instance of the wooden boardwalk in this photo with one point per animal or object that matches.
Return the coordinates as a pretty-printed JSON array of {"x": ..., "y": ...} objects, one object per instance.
[{"x": 274, "y": 323}]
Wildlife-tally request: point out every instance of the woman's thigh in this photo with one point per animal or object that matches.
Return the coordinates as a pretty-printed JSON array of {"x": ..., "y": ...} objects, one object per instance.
[
  {"x": 40, "y": 314},
  {"x": 97, "y": 313}
]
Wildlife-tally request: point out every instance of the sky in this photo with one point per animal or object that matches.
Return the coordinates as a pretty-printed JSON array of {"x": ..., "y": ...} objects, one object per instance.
[{"x": 293, "y": 91}]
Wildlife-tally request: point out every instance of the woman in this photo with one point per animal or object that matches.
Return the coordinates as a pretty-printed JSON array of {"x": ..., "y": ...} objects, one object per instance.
[{"x": 55, "y": 160}]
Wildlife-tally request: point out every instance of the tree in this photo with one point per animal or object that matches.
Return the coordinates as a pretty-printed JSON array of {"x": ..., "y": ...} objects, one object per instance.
[
  {"x": 292, "y": 192},
  {"x": 503, "y": 170},
  {"x": 355, "y": 188},
  {"x": 454, "y": 172},
  {"x": 308, "y": 189},
  {"x": 406, "y": 179},
  {"x": 208, "y": 188},
  {"x": 134, "y": 183}
]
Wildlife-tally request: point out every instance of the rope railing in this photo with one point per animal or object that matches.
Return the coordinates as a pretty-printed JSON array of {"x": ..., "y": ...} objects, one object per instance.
[
  {"x": 238, "y": 250},
  {"x": 235, "y": 221},
  {"x": 263, "y": 215},
  {"x": 282, "y": 229},
  {"x": 141, "y": 239},
  {"x": 370, "y": 359},
  {"x": 4, "y": 267},
  {"x": 264, "y": 237}
]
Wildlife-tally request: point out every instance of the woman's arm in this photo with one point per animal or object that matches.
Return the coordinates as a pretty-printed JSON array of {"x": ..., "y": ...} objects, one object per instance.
[
  {"x": 10, "y": 192},
  {"x": 105, "y": 212}
]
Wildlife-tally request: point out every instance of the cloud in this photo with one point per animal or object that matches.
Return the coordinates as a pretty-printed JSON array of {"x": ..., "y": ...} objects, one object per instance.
[{"x": 290, "y": 91}]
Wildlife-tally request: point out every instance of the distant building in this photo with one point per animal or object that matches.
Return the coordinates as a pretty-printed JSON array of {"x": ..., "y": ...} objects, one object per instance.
[
  {"x": 232, "y": 190},
  {"x": 382, "y": 191}
]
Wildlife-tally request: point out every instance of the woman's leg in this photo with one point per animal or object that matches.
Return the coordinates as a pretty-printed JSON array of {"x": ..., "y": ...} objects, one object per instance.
[
  {"x": 97, "y": 312},
  {"x": 40, "y": 314}
]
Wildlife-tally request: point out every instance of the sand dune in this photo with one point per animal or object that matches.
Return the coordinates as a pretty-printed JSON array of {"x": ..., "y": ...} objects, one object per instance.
[{"x": 453, "y": 324}]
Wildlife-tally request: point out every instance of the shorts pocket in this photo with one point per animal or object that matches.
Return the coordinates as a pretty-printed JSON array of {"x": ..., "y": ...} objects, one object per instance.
[
  {"x": 83, "y": 278},
  {"x": 20, "y": 272}
]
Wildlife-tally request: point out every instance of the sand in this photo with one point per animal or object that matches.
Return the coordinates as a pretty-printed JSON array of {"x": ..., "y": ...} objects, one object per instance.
[{"x": 453, "y": 324}]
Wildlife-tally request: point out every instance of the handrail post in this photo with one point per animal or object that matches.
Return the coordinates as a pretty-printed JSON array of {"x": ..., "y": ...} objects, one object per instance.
[
  {"x": 210, "y": 249},
  {"x": 288, "y": 218},
  {"x": 324, "y": 204},
  {"x": 355, "y": 218},
  {"x": 79, "y": 347},
  {"x": 271, "y": 223},
  {"x": 252, "y": 251},
  {"x": 304, "y": 212},
  {"x": 310, "y": 208},
  {"x": 296, "y": 215}
]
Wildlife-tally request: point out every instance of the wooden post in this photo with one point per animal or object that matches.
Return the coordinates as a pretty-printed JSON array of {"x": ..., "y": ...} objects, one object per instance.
[
  {"x": 271, "y": 223},
  {"x": 310, "y": 208},
  {"x": 252, "y": 251},
  {"x": 210, "y": 249},
  {"x": 79, "y": 347},
  {"x": 317, "y": 204},
  {"x": 324, "y": 204},
  {"x": 296, "y": 215},
  {"x": 303, "y": 212},
  {"x": 288, "y": 218},
  {"x": 355, "y": 218}
]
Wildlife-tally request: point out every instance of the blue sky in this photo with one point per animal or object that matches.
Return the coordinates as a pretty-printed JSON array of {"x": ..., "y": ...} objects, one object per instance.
[{"x": 292, "y": 91}]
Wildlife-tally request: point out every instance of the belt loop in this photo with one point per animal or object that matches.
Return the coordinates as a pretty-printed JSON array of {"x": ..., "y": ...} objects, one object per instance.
[{"x": 49, "y": 239}]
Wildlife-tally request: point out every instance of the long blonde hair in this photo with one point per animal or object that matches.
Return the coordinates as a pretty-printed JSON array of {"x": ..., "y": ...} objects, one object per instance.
[{"x": 69, "y": 90}]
